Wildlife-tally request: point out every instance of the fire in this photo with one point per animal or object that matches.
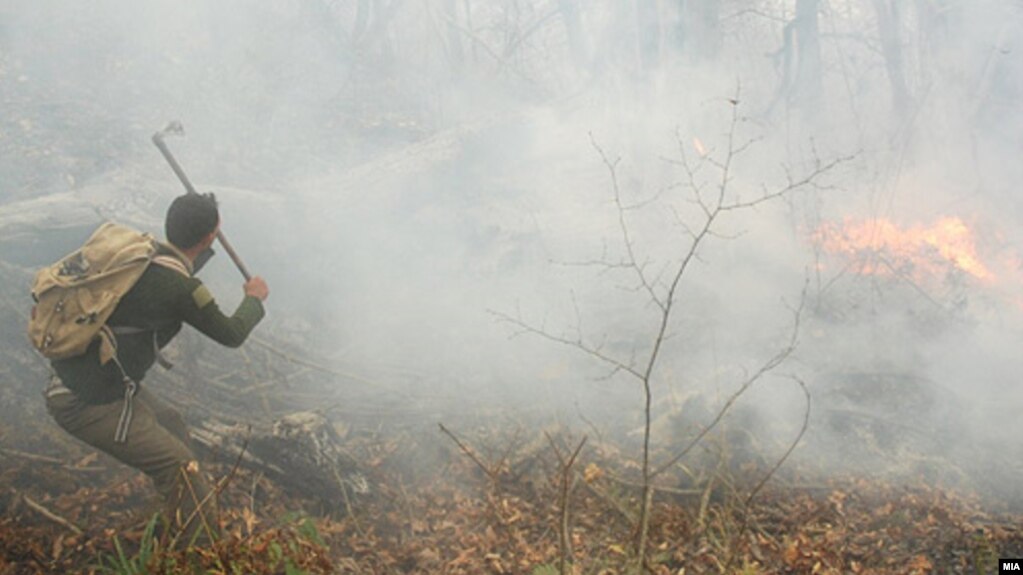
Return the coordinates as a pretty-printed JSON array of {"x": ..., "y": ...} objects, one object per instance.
[{"x": 881, "y": 247}]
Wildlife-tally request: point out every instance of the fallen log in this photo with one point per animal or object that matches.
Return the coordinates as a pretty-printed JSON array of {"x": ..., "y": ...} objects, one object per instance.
[{"x": 301, "y": 452}]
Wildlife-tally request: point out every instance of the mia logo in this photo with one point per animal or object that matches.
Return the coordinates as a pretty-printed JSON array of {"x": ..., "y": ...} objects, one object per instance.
[{"x": 1010, "y": 566}]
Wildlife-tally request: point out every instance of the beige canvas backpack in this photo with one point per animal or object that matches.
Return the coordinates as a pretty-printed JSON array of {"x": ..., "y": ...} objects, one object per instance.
[{"x": 76, "y": 295}]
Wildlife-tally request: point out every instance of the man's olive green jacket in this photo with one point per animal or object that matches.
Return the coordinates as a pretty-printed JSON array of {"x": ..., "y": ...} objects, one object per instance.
[{"x": 159, "y": 303}]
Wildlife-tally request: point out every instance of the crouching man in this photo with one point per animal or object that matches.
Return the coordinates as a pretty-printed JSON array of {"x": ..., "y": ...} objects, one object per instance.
[{"x": 104, "y": 403}]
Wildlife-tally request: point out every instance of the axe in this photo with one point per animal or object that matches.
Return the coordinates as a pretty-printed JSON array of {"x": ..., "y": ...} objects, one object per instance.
[{"x": 175, "y": 129}]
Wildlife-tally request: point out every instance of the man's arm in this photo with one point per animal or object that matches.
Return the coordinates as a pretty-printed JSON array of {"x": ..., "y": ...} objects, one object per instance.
[{"x": 201, "y": 311}]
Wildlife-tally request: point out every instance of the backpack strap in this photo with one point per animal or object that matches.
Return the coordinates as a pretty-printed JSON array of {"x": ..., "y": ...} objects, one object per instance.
[
  {"x": 172, "y": 262},
  {"x": 169, "y": 256},
  {"x": 129, "y": 330},
  {"x": 131, "y": 387}
]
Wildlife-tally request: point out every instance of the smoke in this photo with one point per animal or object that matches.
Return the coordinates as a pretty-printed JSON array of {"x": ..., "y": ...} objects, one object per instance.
[{"x": 400, "y": 175}]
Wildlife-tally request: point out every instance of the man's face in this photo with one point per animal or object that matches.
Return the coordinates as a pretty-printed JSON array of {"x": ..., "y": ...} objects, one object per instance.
[{"x": 204, "y": 254}]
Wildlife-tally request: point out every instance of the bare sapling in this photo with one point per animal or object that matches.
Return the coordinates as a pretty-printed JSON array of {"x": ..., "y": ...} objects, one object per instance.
[
  {"x": 565, "y": 482},
  {"x": 708, "y": 180}
]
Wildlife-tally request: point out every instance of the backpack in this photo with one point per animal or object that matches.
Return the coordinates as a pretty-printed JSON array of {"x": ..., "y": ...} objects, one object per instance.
[{"x": 76, "y": 295}]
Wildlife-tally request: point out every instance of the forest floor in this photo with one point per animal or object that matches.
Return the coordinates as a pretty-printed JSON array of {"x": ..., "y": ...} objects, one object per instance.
[{"x": 476, "y": 510}]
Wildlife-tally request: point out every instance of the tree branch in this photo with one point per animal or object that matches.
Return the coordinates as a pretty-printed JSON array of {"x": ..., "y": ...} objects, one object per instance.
[
  {"x": 772, "y": 363},
  {"x": 577, "y": 344}
]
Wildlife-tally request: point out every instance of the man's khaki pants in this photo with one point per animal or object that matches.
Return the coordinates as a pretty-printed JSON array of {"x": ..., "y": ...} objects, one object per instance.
[{"x": 157, "y": 445}]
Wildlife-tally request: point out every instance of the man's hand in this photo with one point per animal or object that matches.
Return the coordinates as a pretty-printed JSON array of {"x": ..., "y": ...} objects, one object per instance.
[{"x": 256, "y": 287}]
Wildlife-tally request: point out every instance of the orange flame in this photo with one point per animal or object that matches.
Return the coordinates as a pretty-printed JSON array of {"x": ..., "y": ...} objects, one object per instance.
[{"x": 882, "y": 247}]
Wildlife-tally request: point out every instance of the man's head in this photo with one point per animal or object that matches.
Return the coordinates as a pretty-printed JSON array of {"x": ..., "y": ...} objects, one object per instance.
[{"x": 191, "y": 220}]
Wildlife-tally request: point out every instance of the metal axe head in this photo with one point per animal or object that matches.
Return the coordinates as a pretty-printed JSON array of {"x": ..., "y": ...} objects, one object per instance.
[{"x": 173, "y": 128}]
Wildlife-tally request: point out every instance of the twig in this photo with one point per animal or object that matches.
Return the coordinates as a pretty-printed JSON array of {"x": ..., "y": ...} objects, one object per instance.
[
  {"x": 564, "y": 527},
  {"x": 322, "y": 368},
  {"x": 618, "y": 366},
  {"x": 768, "y": 366},
  {"x": 307, "y": 363},
  {"x": 51, "y": 515},
  {"x": 626, "y": 513},
  {"x": 760, "y": 485},
  {"x": 632, "y": 262},
  {"x": 31, "y": 456},
  {"x": 199, "y": 505},
  {"x": 708, "y": 490},
  {"x": 408, "y": 507},
  {"x": 45, "y": 459},
  {"x": 257, "y": 477},
  {"x": 716, "y": 201},
  {"x": 348, "y": 504},
  {"x": 512, "y": 446},
  {"x": 596, "y": 430},
  {"x": 469, "y": 453},
  {"x": 221, "y": 485}
]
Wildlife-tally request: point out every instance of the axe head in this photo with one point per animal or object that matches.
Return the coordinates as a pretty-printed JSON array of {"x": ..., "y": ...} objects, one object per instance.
[{"x": 173, "y": 128}]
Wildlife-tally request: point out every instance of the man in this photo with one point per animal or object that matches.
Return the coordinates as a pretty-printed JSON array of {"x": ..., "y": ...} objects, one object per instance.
[{"x": 89, "y": 399}]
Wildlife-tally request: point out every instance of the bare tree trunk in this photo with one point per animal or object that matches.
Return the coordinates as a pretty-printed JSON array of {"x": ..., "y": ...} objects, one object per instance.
[
  {"x": 648, "y": 34},
  {"x": 467, "y": 6},
  {"x": 697, "y": 32},
  {"x": 456, "y": 54},
  {"x": 888, "y": 27},
  {"x": 800, "y": 57},
  {"x": 372, "y": 18},
  {"x": 383, "y": 21},
  {"x": 574, "y": 28},
  {"x": 931, "y": 23},
  {"x": 361, "y": 20},
  {"x": 806, "y": 91}
]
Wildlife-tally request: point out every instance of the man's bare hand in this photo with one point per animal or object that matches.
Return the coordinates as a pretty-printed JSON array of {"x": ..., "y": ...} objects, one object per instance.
[{"x": 256, "y": 287}]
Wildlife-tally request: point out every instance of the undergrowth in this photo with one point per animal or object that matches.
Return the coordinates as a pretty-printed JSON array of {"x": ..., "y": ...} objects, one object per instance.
[{"x": 293, "y": 548}]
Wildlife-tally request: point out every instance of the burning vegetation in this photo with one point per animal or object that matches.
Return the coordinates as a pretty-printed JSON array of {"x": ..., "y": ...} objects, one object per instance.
[{"x": 923, "y": 252}]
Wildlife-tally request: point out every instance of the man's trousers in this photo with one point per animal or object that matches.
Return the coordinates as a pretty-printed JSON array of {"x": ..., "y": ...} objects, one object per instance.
[{"x": 157, "y": 444}]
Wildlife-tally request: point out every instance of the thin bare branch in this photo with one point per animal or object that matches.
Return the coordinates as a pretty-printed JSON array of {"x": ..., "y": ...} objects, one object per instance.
[
  {"x": 790, "y": 187},
  {"x": 768, "y": 366},
  {"x": 469, "y": 453},
  {"x": 564, "y": 527},
  {"x": 767, "y": 476},
  {"x": 40, "y": 509},
  {"x": 623, "y": 227},
  {"x": 44, "y": 459},
  {"x": 577, "y": 344},
  {"x": 723, "y": 236},
  {"x": 590, "y": 424},
  {"x": 682, "y": 224}
]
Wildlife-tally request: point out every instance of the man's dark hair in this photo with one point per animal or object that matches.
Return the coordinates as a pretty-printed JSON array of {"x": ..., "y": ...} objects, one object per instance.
[{"x": 190, "y": 218}]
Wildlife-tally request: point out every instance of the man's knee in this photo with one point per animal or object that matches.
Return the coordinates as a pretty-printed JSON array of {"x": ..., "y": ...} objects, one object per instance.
[{"x": 167, "y": 416}]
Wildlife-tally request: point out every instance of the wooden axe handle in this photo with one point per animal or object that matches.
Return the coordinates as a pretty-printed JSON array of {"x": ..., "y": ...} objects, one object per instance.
[{"x": 158, "y": 140}]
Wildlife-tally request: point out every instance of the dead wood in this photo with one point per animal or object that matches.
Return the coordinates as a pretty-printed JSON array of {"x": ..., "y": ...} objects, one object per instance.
[
  {"x": 38, "y": 507},
  {"x": 50, "y": 460},
  {"x": 301, "y": 452},
  {"x": 490, "y": 473}
]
